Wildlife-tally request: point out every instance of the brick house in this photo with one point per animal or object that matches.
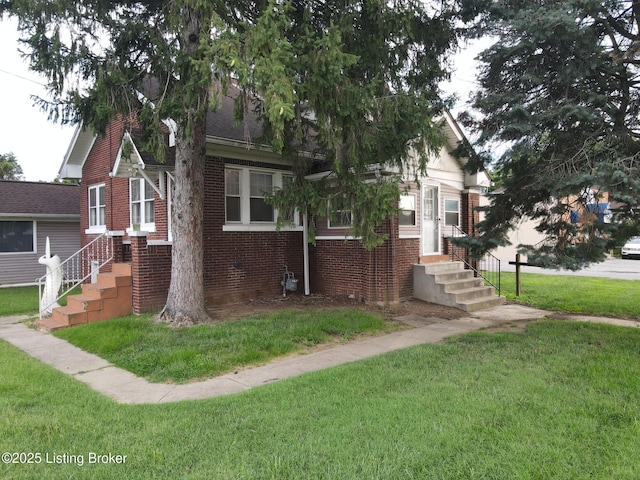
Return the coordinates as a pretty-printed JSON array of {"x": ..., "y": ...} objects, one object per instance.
[
  {"x": 245, "y": 257},
  {"x": 29, "y": 213}
]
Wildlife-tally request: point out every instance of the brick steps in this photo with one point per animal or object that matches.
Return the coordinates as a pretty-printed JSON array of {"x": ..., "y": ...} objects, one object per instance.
[
  {"x": 110, "y": 297},
  {"x": 449, "y": 283}
]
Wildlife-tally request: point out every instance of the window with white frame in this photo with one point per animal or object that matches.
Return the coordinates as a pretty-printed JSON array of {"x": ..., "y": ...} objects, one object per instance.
[
  {"x": 260, "y": 183},
  {"x": 289, "y": 215},
  {"x": 452, "y": 211},
  {"x": 245, "y": 190},
  {"x": 407, "y": 207},
  {"x": 233, "y": 195},
  {"x": 17, "y": 236},
  {"x": 341, "y": 217},
  {"x": 142, "y": 204},
  {"x": 97, "y": 207}
]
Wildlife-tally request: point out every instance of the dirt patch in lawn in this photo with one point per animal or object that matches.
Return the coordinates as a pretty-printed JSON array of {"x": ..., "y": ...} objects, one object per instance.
[{"x": 302, "y": 302}]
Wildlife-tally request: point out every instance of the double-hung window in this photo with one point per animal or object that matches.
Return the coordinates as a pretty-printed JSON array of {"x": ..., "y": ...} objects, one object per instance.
[
  {"x": 97, "y": 208},
  {"x": 142, "y": 205},
  {"x": 407, "y": 207},
  {"x": 341, "y": 217},
  {"x": 452, "y": 211},
  {"x": 260, "y": 183},
  {"x": 245, "y": 203},
  {"x": 233, "y": 195}
]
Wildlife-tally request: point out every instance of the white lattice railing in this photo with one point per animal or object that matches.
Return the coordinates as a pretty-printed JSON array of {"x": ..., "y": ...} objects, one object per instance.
[{"x": 83, "y": 264}]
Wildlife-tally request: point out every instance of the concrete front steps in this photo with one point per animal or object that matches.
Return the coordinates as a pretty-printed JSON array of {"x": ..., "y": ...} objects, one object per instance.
[
  {"x": 450, "y": 284},
  {"x": 110, "y": 297}
]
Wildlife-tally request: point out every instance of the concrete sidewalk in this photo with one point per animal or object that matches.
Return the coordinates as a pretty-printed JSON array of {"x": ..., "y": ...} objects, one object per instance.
[{"x": 125, "y": 387}]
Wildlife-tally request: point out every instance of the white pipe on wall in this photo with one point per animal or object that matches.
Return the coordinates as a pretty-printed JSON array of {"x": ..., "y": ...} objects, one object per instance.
[{"x": 305, "y": 251}]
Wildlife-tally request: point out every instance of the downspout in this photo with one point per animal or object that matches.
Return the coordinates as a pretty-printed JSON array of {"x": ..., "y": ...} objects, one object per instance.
[{"x": 305, "y": 252}]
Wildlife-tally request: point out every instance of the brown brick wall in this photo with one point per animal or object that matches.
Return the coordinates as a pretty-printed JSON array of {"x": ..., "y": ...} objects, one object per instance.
[
  {"x": 151, "y": 271},
  {"x": 241, "y": 266},
  {"x": 469, "y": 216},
  {"x": 407, "y": 254},
  {"x": 381, "y": 275},
  {"x": 96, "y": 170}
]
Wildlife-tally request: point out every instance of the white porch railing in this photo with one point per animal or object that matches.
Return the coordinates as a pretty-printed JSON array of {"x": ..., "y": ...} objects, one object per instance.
[{"x": 83, "y": 264}]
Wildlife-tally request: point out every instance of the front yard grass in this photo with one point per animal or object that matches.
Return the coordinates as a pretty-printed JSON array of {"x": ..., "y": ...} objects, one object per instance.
[
  {"x": 18, "y": 301},
  {"x": 25, "y": 300},
  {"x": 574, "y": 294},
  {"x": 164, "y": 354},
  {"x": 558, "y": 401}
]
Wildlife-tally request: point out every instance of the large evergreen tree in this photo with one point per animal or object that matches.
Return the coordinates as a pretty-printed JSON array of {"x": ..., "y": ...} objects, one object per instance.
[
  {"x": 560, "y": 88},
  {"x": 354, "y": 82}
]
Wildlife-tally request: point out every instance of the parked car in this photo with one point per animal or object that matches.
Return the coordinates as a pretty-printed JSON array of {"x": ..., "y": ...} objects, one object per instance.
[{"x": 631, "y": 249}]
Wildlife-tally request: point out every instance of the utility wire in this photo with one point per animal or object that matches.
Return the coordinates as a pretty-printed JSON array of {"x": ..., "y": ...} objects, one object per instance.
[{"x": 22, "y": 78}]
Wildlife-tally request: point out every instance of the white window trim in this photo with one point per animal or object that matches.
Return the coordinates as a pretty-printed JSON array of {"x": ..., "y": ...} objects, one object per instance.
[
  {"x": 336, "y": 237},
  {"x": 245, "y": 224},
  {"x": 149, "y": 227},
  {"x": 415, "y": 210},
  {"x": 34, "y": 232},
  {"x": 338, "y": 227},
  {"x": 99, "y": 228}
]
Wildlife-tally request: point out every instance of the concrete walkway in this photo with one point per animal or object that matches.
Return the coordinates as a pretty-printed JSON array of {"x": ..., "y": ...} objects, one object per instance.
[{"x": 125, "y": 387}]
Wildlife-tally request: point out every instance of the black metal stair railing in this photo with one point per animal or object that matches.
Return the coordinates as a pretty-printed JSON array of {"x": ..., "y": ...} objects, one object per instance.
[{"x": 488, "y": 267}]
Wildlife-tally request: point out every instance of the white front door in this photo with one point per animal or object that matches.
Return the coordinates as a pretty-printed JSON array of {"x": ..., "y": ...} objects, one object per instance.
[{"x": 430, "y": 220}]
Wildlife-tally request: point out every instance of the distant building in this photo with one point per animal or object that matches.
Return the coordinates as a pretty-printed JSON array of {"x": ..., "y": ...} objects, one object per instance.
[{"x": 29, "y": 212}]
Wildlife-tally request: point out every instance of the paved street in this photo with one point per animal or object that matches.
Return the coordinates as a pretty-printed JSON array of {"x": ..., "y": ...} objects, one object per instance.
[{"x": 612, "y": 268}]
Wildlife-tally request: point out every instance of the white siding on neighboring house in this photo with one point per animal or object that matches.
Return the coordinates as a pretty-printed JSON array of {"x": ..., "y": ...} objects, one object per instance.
[
  {"x": 524, "y": 233},
  {"x": 23, "y": 268}
]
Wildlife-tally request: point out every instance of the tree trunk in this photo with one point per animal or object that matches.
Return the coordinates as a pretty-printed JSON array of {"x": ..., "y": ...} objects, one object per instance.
[{"x": 185, "y": 301}]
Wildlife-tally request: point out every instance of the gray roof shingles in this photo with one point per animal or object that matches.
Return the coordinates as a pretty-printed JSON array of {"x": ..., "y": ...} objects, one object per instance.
[{"x": 36, "y": 198}]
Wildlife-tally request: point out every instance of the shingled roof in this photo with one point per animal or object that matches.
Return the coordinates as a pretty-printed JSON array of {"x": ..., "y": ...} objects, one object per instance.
[{"x": 34, "y": 199}]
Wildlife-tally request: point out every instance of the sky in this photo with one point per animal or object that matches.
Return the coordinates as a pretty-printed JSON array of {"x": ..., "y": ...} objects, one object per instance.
[{"x": 40, "y": 145}]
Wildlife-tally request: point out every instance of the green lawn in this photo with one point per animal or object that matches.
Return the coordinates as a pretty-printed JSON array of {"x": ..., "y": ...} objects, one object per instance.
[
  {"x": 586, "y": 295},
  {"x": 19, "y": 301},
  {"x": 25, "y": 300},
  {"x": 161, "y": 353},
  {"x": 560, "y": 401}
]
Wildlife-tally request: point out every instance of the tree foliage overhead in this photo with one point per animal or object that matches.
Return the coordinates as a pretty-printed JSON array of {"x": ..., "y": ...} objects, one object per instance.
[
  {"x": 355, "y": 83},
  {"x": 359, "y": 77},
  {"x": 352, "y": 83},
  {"x": 10, "y": 169},
  {"x": 560, "y": 87}
]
